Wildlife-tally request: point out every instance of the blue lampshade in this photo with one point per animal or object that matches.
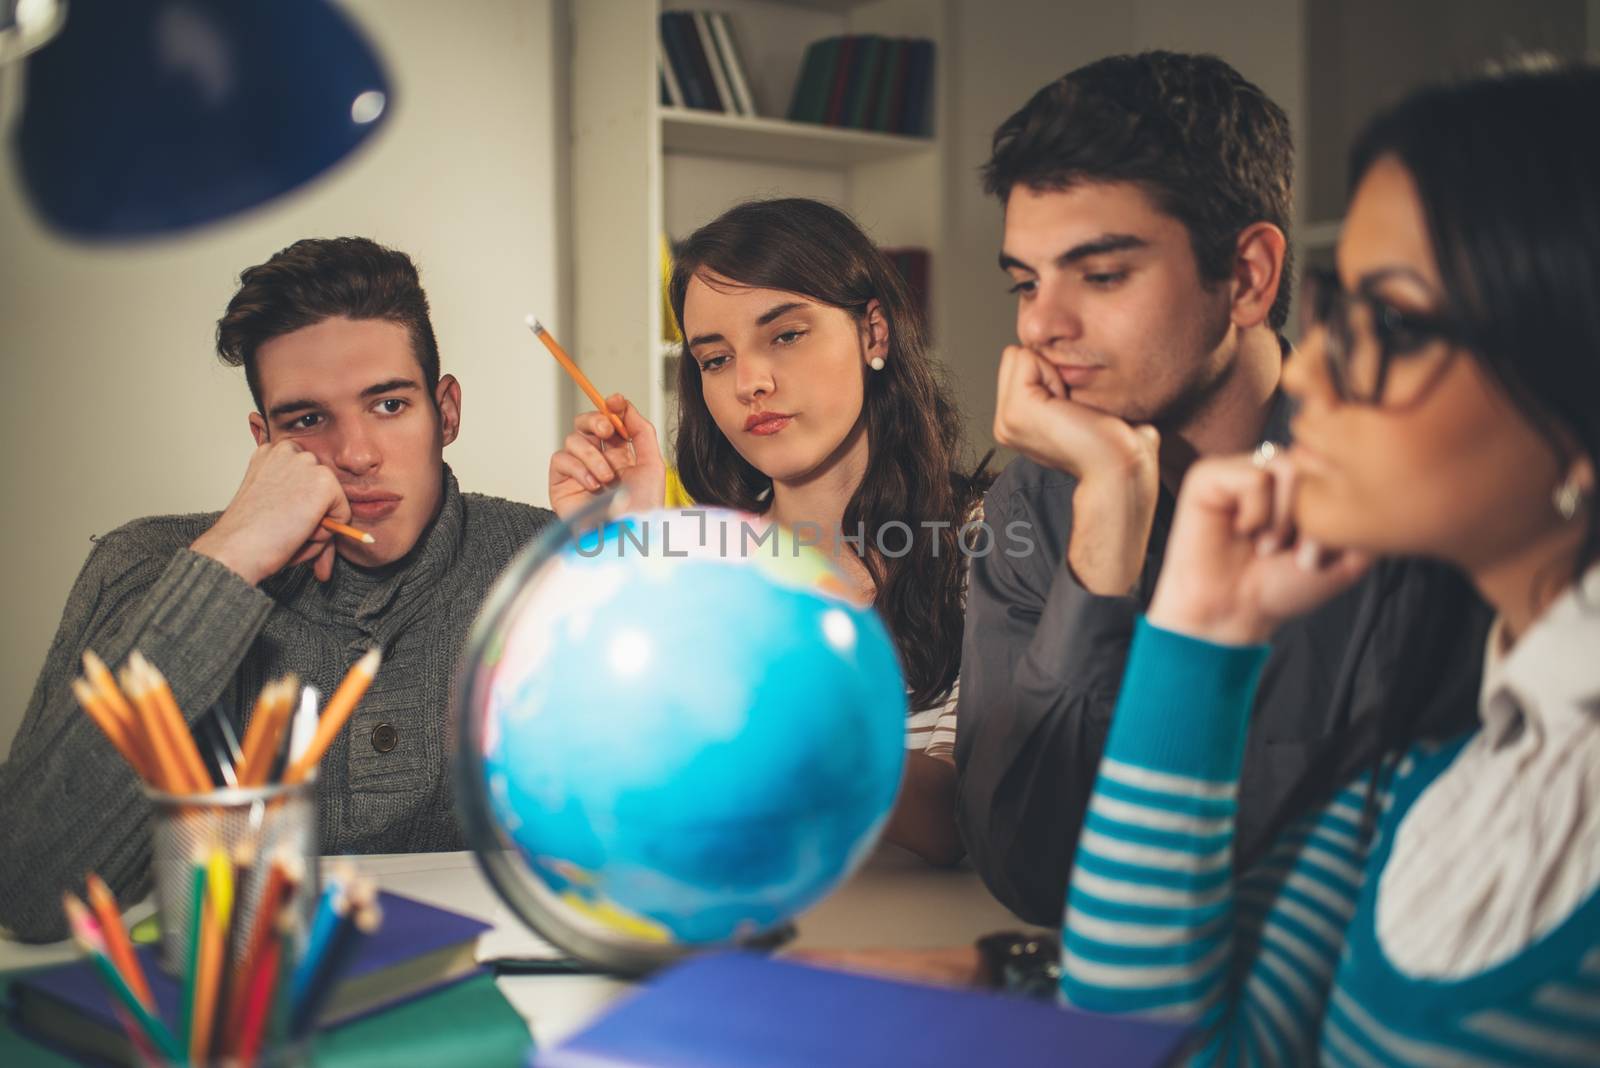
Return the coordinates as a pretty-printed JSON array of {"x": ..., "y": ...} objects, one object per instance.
[{"x": 147, "y": 117}]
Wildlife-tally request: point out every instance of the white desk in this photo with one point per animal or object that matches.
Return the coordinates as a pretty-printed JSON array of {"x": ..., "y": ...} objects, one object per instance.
[{"x": 895, "y": 900}]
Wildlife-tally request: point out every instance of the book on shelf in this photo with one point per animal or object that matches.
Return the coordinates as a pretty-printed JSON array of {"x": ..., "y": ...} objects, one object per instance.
[
  {"x": 734, "y": 66},
  {"x": 671, "y": 88},
  {"x": 913, "y": 265},
  {"x": 700, "y": 65},
  {"x": 840, "y": 86},
  {"x": 810, "y": 102},
  {"x": 689, "y": 60},
  {"x": 867, "y": 82},
  {"x": 708, "y": 49}
]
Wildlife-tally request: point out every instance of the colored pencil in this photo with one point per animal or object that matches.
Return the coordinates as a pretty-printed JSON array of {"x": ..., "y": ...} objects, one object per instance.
[
  {"x": 317, "y": 976},
  {"x": 266, "y": 984},
  {"x": 213, "y": 944},
  {"x": 191, "y": 971},
  {"x": 104, "y": 684},
  {"x": 267, "y": 725},
  {"x": 577, "y": 375},
  {"x": 333, "y": 526},
  {"x": 169, "y": 775},
  {"x": 331, "y": 910},
  {"x": 340, "y": 706},
  {"x": 118, "y": 947},
  {"x": 283, "y": 879},
  {"x": 167, "y": 706},
  {"x": 140, "y": 1022},
  {"x": 119, "y": 734}
]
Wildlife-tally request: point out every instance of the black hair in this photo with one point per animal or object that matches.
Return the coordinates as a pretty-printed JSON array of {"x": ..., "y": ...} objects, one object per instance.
[{"x": 1212, "y": 149}]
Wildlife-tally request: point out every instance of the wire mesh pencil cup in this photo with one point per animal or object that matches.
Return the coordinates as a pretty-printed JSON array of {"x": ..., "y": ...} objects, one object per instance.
[{"x": 255, "y": 823}]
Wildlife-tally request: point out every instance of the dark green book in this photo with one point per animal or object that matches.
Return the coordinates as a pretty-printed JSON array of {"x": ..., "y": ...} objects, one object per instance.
[
  {"x": 814, "y": 98},
  {"x": 466, "y": 1023},
  {"x": 863, "y": 95},
  {"x": 894, "y": 71}
]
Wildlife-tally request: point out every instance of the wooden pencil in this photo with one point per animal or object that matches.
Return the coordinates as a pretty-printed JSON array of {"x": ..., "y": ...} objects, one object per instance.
[
  {"x": 265, "y": 983},
  {"x": 115, "y": 731},
  {"x": 267, "y": 725},
  {"x": 105, "y": 685},
  {"x": 577, "y": 374},
  {"x": 213, "y": 944},
  {"x": 269, "y": 993},
  {"x": 283, "y": 880},
  {"x": 141, "y": 1023},
  {"x": 197, "y": 926},
  {"x": 340, "y": 706},
  {"x": 187, "y": 752},
  {"x": 318, "y": 974},
  {"x": 333, "y": 526},
  {"x": 118, "y": 947},
  {"x": 169, "y": 773}
]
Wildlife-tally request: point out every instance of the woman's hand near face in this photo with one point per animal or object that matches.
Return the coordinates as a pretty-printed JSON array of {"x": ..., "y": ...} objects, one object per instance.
[
  {"x": 595, "y": 458},
  {"x": 1235, "y": 567}
]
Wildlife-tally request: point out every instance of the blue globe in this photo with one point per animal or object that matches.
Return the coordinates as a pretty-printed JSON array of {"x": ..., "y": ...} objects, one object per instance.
[{"x": 682, "y": 732}]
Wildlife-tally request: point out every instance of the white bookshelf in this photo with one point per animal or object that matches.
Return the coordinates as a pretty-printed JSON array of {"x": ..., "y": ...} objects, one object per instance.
[
  {"x": 686, "y": 131},
  {"x": 640, "y": 169}
]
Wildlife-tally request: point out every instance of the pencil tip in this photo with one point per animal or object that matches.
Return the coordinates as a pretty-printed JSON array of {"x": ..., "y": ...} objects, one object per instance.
[
  {"x": 368, "y": 539},
  {"x": 533, "y": 323},
  {"x": 369, "y": 663}
]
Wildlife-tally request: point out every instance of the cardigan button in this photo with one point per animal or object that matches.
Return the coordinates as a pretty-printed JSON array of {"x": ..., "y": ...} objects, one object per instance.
[{"x": 385, "y": 738}]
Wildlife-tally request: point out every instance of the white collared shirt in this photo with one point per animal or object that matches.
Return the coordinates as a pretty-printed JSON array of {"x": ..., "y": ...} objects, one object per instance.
[{"x": 1505, "y": 843}]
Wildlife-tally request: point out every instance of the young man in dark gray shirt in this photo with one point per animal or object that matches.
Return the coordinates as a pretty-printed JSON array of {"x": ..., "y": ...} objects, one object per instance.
[
  {"x": 351, "y": 420},
  {"x": 1147, "y": 208}
]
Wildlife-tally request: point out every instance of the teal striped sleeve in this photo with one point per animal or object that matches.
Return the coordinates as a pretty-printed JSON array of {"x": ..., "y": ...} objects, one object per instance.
[
  {"x": 1185, "y": 704},
  {"x": 1149, "y": 912}
]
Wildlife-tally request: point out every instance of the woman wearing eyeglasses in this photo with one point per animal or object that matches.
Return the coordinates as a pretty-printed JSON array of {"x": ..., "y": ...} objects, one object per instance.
[{"x": 1442, "y": 908}]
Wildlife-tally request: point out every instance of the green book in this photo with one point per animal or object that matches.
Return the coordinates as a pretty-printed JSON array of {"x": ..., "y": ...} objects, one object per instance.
[
  {"x": 894, "y": 71},
  {"x": 859, "y": 108},
  {"x": 804, "y": 82},
  {"x": 469, "y": 1023},
  {"x": 815, "y": 93},
  {"x": 466, "y": 1023}
]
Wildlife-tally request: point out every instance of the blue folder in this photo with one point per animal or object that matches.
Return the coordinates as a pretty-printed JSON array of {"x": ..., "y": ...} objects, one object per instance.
[{"x": 739, "y": 1009}]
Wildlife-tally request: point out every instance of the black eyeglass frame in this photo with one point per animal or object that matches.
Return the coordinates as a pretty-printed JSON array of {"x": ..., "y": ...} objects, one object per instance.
[{"x": 1325, "y": 304}]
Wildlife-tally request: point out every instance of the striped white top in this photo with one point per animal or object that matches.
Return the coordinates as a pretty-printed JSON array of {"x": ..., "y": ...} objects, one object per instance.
[{"x": 933, "y": 730}]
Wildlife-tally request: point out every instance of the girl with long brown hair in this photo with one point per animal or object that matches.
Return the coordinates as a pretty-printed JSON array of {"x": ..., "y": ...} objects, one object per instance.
[{"x": 806, "y": 395}]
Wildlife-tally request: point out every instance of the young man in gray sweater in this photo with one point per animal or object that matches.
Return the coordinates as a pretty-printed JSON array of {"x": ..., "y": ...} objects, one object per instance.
[{"x": 351, "y": 419}]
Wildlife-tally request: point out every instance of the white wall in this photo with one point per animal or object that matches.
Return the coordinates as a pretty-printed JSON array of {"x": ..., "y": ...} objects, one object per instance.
[
  {"x": 114, "y": 405},
  {"x": 1008, "y": 51}
]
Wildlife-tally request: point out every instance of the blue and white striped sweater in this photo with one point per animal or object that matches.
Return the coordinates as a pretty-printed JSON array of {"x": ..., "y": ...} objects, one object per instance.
[{"x": 1281, "y": 966}]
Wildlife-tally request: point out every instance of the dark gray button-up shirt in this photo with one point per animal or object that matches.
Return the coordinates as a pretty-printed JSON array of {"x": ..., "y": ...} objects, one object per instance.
[{"x": 1042, "y": 664}]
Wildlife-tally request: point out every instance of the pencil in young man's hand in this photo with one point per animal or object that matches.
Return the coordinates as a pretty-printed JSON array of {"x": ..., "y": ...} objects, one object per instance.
[
  {"x": 340, "y": 706},
  {"x": 333, "y": 526},
  {"x": 577, "y": 375}
]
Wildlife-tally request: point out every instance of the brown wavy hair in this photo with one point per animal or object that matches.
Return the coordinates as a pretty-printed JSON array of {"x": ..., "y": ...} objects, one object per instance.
[
  {"x": 321, "y": 278},
  {"x": 913, "y": 428}
]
